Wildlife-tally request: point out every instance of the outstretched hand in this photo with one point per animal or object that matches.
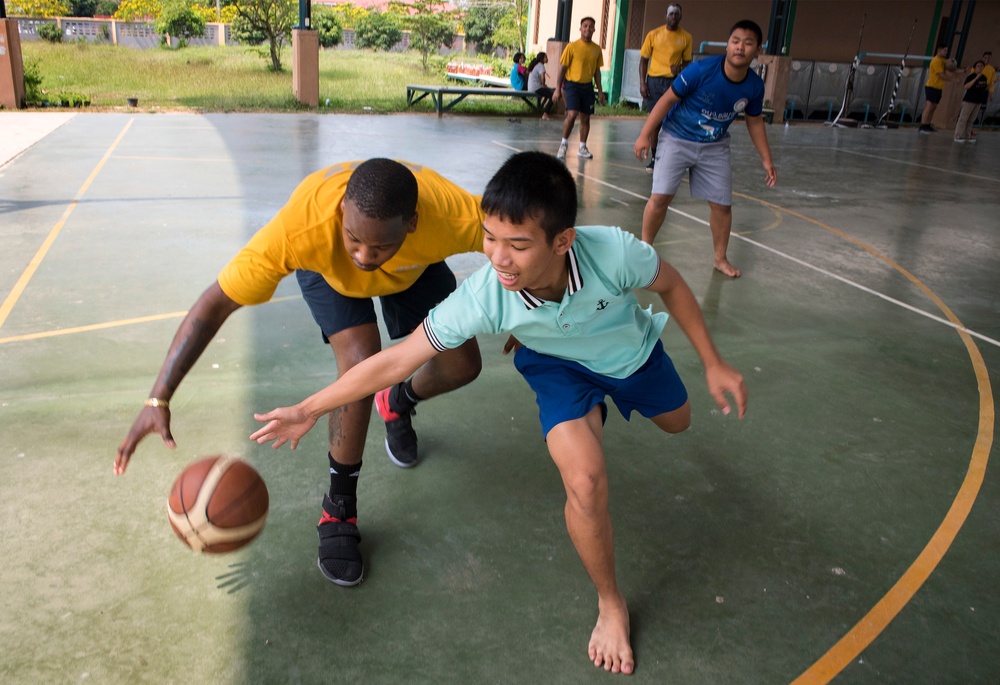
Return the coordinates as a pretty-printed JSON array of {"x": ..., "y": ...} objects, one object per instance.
[
  {"x": 149, "y": 420},
  {"x": 724, "y": 380},
  {"x": 283, "y": 425}
]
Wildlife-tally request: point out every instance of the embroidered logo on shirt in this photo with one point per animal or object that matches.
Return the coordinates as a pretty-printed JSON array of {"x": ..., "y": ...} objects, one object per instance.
[{"x": 601, "y": 304}]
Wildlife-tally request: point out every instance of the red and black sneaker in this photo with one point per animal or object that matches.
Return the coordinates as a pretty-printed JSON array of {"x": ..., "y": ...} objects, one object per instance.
[
  {"x": 400, "y": 438},
  {"x": 339, "y": 558}
]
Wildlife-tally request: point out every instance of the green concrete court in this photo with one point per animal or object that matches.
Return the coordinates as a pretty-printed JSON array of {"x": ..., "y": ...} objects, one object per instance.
[{"x": 845, "y": 530}]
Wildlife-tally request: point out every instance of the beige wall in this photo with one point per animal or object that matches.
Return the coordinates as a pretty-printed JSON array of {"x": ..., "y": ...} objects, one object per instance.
[
  {"x": 826, "y": 29},
  {"x": 581, "y": 9}
]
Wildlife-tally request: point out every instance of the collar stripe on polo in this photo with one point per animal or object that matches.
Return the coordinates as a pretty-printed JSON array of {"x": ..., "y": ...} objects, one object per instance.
[{"x": 575, "y": 282}]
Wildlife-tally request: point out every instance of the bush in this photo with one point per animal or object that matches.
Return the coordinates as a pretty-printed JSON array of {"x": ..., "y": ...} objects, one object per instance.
[
  {"x": 50, "y": 32},
  {"x": 32, "y": 83},
  {"x": 378, "y": 31},
  {"x": 328, "y": 25}
]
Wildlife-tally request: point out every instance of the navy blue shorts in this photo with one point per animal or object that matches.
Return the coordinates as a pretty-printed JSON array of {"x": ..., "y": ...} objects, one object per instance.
[
  {"x": 579, "y": 97},
  {"x": 567, "y": 390},
  {"x": 402, "y": 312},
  {"x": 932, "y": 94},
  {"x": 658, "y": 87}
]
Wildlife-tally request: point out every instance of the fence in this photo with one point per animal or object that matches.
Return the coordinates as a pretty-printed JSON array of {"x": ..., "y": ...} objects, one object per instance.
[{"x": 140, "y": 34}]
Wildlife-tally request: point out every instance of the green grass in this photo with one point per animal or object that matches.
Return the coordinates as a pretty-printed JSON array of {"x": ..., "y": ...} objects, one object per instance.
[{"x": 236, "y": 79}]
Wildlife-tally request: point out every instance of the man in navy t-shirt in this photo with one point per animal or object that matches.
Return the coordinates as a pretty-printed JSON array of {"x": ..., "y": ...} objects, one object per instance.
[{"x": 693, "y": 119}]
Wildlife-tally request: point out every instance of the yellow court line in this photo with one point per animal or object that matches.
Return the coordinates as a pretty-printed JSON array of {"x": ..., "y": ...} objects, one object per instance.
[
  {"x": 22, "y": 282},
  {"x": 871, "y": 625},
  {"x": 878, "y": 618},
  {"x": 112, "y": 324}
]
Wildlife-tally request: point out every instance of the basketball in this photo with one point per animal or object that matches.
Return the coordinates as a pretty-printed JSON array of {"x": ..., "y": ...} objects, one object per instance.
[{"x": 218, "y": 504}]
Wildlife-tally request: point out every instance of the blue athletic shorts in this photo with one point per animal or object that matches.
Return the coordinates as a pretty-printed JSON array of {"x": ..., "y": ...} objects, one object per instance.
[
  {"x": 567, "y": 390},
  {"x": 579, "y": 97},
  {"x": 932, "y": 94},
  {"x": 402, "y": 312}
]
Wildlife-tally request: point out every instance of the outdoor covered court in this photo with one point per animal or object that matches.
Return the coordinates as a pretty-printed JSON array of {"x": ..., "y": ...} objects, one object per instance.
[{"x": 845, "y": 530}]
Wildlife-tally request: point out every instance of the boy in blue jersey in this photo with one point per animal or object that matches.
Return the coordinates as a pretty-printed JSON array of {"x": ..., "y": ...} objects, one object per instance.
[
  {"x": 566, "y": 296},
  {"x": 693, "y": 119}
]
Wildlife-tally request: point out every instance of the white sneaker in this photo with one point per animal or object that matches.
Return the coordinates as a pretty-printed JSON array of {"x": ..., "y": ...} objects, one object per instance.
[
  {"x": 562, "y": 151},
  {"x": 584, "y": 152}
]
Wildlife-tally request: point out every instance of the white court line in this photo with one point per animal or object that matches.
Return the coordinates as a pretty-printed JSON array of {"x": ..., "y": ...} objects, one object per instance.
[
  {"x": 796, "y": 260},
  {"x": 924, "y": 166}
]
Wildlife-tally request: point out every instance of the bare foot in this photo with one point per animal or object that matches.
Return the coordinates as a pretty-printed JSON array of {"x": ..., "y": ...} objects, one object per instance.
[
  {"x": 609, "y": 643},
  {"x": 545, "y": 117},
  {"x": 728, "y": 269}
]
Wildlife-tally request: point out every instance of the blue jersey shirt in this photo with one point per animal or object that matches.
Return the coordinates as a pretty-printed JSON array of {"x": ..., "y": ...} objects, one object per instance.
[
  {"x": 710, "y": 101},
  {"x": 598, "y": 323}
]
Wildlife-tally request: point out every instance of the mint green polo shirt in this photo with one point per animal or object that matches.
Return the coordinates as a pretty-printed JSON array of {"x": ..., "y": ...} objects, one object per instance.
[{"x": 598, "y": 323}]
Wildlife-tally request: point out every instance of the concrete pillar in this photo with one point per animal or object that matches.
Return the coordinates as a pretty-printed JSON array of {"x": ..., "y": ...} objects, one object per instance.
[
  {"x": 554, "y": 50},
  {"x": 776, "y": 78},
  {"x": 11, "y": 66},
  {"x": 946, "y": 115},
  {"x": 305, "y": 66}
]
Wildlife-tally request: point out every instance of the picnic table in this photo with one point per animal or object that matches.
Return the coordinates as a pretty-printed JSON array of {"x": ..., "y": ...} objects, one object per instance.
[
  {"x": 483, "y": 79},
  {"x": 416, "y": 93}
]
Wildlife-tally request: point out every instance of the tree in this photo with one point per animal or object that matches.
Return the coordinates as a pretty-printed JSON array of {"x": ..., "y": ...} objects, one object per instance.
[
  {"x": 512, "y": 28},
  {"x": 481, "y": 21},
  {"x": 82, "y": 8},
  {"x": 179, "y": 21},
  {"x": 272, "y": 19},
  {"x": 327, "y": 25},
  {"x": 379, "y": 31},
  {"x": 106, "y": 8},
  {"x": 138, "y": 10},
  {"x": 39, "y": 8},
  {"x": 429, "y": 29}
]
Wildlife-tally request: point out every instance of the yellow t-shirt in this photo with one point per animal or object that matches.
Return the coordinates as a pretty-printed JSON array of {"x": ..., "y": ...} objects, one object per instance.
[
  {"x": 307, "y": 234},
  {"x": 665, "y": 48},
  {"x": 582, "y": 60},
  {"x": 991, "y": 75},
  {"x": 935, "y": 73}
]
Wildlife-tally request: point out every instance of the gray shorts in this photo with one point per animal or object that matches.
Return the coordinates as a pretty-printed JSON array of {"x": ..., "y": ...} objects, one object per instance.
[{"x": 709, "y": 164}]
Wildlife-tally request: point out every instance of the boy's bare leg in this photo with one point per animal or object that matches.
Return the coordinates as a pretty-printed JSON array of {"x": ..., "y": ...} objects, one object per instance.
[
  {"x": 576, "y": 449},
  {"x": 720, "y": 220},
  {"x": 568, "y": 122},
  {"x": 584, "y": 127},
  {"x": 653, "y": 216},
  {"x": 676, "y": 421}
]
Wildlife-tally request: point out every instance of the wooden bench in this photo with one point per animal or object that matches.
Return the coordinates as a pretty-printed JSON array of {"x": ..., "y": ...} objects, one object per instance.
[{"x": 415, "y": 94}]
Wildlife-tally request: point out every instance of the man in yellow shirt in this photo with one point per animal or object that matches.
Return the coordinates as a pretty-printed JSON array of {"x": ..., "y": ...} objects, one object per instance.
[
  {"x": 579, "y": 70},
  {"x": 350, "y": 232},
  {"x": 936, "y": 75},
  {"x": 991, "y": 77},
  {"x": 664, "y": 54},
  {"x": 989, "y": 70}
]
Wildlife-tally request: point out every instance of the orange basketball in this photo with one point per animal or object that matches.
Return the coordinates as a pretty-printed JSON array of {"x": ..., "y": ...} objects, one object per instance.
[{"x": 218, "y": 504}]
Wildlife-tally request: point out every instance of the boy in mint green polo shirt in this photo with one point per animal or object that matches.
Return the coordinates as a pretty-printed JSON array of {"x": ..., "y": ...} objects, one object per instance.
[{"x": 565, "y": 294}]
